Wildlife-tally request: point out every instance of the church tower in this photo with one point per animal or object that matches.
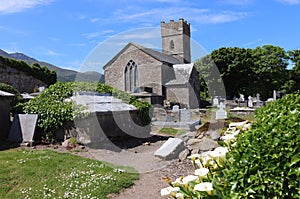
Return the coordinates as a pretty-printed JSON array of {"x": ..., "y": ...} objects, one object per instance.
[{"x": 176, "y": 39}]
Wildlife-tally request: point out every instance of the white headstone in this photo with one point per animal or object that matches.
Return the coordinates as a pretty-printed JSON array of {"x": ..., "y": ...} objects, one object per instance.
[
  {"x": 257, "y": 99},
  {"x": 23, "y": 128},
  {"x": 242, "y": 97},
  {"x": 274, "y": 95},
  {"x": 215, "y": 102},
  {"x": 250, "y": 102},
  {"x": 184, "y": 115},
  {"x": 175, "y": 108},
  {"x": 221, "y": 113}
]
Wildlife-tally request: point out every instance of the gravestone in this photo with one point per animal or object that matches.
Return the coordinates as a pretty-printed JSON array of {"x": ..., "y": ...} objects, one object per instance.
[
  {"x": 170, "y": 149},
  {"x": 250, "y": 102},
  {"x": 23, "y": 127},
  {"x": 274, "y": 95},
  {"x": 184, "y": 115},
  {"x": 221, "y": 113},
  {"x": 258, "y": 100},
  {"x": 242, "y": 98},
  {"x": 215, "y": 102},
  {"x": 175, "y": 108}
]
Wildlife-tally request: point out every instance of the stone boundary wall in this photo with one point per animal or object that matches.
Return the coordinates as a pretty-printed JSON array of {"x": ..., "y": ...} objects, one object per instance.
[{"x": 19, "y": 79}]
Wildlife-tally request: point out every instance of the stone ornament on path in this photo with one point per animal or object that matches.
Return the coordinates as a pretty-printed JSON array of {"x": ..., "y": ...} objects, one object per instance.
[
  {"x": 221, "y": 113},
  {"x": 23, "y": 128}
]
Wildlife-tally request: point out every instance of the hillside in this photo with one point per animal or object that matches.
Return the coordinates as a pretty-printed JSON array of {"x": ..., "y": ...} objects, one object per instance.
[{"x": 63, "y": 75}]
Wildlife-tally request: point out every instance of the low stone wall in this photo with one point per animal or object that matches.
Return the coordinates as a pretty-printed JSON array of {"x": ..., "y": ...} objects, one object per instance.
[
  {"x": 19, "y": 79},
  {"x": 101, "y": 126}
]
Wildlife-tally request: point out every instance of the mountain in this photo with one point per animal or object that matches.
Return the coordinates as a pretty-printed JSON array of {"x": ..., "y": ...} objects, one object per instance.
[{"x": 63, "y": 75}]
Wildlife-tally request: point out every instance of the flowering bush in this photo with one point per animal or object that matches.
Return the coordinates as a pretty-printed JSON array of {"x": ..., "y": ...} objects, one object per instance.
[{"x": 206, "y": 181}]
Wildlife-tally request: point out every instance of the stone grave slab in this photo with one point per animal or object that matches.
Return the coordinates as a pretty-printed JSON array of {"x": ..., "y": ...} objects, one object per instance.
[
  {"x": 170, "y": 149},
  {"x": 23, "y": 128},
  {"x": 184, "y": 115}
]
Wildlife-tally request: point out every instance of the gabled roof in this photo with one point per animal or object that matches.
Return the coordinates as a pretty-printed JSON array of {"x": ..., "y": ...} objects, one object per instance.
[
  {"x": 162, "y": 57},
  {"x": 182, "y": 74}
]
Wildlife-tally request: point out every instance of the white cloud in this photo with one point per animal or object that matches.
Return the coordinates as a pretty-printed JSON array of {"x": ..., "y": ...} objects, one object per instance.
[
  {"x": 290, "y": 2},
  {"x": 13, "y": 6},
  {"x": 235, "y": 2},
  {"x": 190, "y": 14},
  {"x": 52, "y": 53},
  {"x": 93, "y": 35}
]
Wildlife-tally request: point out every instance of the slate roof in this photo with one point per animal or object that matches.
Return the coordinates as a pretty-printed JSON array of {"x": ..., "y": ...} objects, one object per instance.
[
  {"x": 162, "y": 57},
  {"x": 182, "y": 74}
]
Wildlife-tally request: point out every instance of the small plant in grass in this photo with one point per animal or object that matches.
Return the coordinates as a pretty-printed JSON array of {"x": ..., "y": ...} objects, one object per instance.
[{"x": 48, "y": 174}]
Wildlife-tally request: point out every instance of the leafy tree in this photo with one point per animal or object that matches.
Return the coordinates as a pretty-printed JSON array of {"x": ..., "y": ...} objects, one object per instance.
[
  {"x": 234, "y": 65},
  {"x": 270, "y": 68},
  {"x": 295, "y": 72}
]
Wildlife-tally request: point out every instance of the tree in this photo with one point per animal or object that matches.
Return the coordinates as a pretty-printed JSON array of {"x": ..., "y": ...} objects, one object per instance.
[
  {"x": 270, "y": 68},
  {"x": 295, "y": 72}
]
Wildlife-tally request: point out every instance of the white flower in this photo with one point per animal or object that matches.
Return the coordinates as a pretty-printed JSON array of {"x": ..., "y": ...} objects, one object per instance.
[
  {"x": 204, "y": 186},
  {"x": 198, "y": 163},
  {"x": 168, "y": 190},
  {"x": 201, "y": 172},
  {"x": 179, "y": 196},
  {"x": 194, "y": 156},
  {"x": 221, "y": 150},
  {"x": 237, "y": 124},
  {"x": 185, "y": 180},
  {"x": 228, "y": 138}
]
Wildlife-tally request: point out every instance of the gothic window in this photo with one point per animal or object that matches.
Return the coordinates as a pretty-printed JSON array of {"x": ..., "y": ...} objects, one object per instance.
[
  {"x": 131, "y": 76},
  {"x": 171, "y": 45}
]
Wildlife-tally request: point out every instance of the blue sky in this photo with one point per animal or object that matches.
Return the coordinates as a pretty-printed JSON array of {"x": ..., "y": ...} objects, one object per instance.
[{"x": 85, "y": 34}]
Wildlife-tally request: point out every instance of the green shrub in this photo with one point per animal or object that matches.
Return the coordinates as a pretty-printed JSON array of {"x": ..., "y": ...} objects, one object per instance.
[{"x": 265, "y": 162}]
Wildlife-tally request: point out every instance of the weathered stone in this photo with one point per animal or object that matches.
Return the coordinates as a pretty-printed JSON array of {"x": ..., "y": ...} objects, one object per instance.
[
  {"x": 215, "y": 135},
  {"x": 23, "y": 128},
  {"x": 207, "y": 145},
  {"x": 193, "y": 141},
  {"x": 170, "y": 149},
  {"x": 184, "y": 154},
  {"x": 66, "y": 143}
]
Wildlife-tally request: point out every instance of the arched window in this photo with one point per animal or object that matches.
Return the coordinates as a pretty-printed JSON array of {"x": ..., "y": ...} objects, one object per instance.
[
  {"x": 171, "y": 45},
  {"x": 131, "y": 76}
]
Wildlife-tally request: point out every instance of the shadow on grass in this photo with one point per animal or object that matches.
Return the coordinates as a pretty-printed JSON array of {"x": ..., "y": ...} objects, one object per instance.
[{"x": 5, "y": 145}]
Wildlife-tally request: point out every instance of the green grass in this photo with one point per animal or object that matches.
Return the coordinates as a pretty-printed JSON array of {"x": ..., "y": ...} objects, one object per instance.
[
  {"x": 171, "y": 131},
  {"x": 49, "y": 174}
]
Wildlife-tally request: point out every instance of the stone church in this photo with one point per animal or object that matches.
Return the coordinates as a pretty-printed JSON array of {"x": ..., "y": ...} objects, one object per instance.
[{"x": 158, "y": 76}]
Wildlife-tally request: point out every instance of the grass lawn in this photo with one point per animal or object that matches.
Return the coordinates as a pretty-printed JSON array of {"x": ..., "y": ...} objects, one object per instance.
[
  {"x": 171, "y": 131},
  {"x": 49, "y": 174}
]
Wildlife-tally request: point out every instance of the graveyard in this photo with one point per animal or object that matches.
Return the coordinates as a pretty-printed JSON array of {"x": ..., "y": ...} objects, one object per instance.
[{"x": 188, "y": 135}]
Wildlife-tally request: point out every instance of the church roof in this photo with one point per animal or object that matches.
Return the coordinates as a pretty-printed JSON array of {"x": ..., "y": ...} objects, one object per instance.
[
  {"x": 182, "y": 74},
  {"x": 162, "y": 57}
]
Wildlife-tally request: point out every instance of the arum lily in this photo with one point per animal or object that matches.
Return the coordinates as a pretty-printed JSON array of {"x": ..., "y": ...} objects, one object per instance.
[
  {"x": 168, "y": 190},
  {"x": 202, "y": 172}
]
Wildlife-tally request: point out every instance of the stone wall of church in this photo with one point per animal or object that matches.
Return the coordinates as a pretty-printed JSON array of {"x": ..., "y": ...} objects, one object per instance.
[
  {"x": 149, "y": 70},
  {"x": 179, "y": 93}
]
